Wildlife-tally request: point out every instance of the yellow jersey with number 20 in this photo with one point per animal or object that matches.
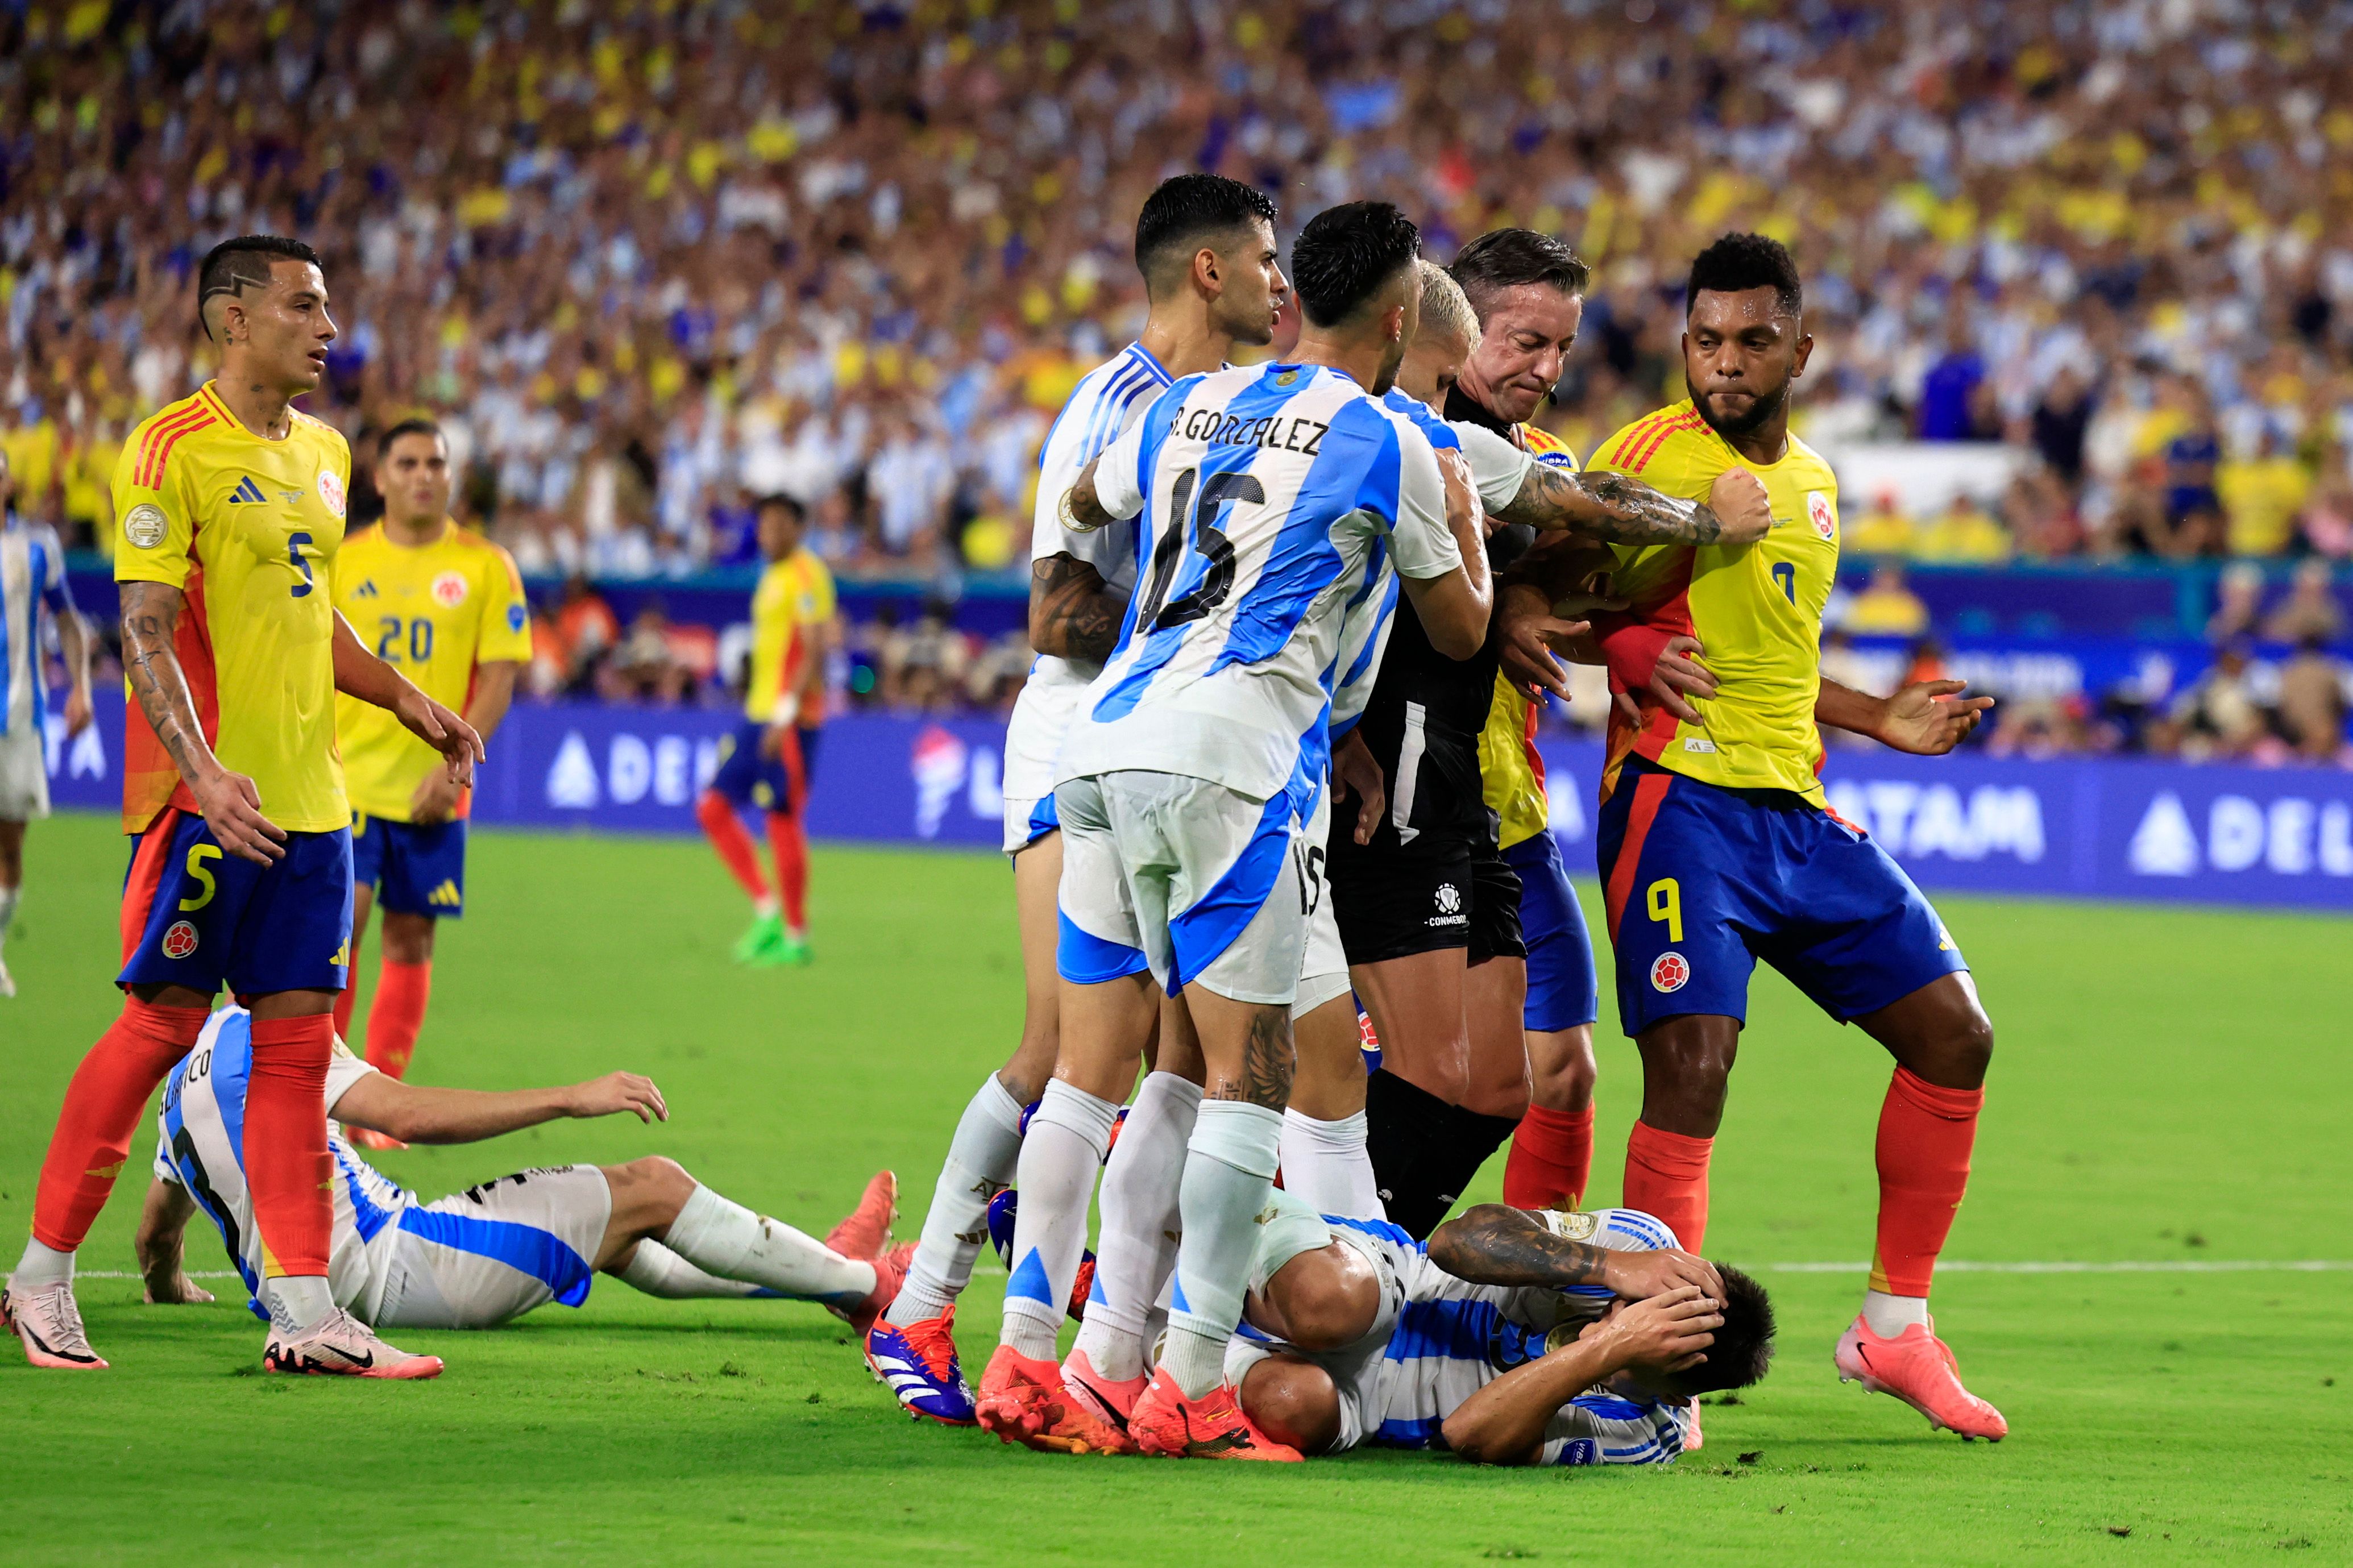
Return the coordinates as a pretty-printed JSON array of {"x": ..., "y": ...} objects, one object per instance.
[
  {"x": 247, "y": 530},
  {"x": 1756, "y": 609},
  {"x": 433, "y": 612}
]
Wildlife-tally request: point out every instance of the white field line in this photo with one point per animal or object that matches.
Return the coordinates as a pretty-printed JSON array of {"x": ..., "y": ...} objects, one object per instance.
[
  {"x": 2165, "y": 1266},
  {"x": 133, "y": 1274}
]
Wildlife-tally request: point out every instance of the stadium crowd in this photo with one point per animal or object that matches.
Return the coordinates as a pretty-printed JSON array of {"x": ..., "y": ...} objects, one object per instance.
[{"x": 643, "y": 275}]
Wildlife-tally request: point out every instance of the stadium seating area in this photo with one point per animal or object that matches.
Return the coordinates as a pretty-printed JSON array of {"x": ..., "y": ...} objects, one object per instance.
[{"x": 647, "y": 273}]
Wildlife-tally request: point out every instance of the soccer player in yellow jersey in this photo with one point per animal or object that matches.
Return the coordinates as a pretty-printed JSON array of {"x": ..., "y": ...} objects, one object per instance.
[
  {"x": 1716, "y": 848},
  {"x": 444, "y": 606},
  {"x": 231, "y": 503},
  {"x": 765, "y": 762}
]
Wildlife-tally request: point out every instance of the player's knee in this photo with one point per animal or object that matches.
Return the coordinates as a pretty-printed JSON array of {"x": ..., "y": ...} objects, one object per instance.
[
  {"x": 408, "y": 939},
  {"x": 1968, "y": 1049},
  {"x": 1294, "y": 1402},
  {"x": 649, "y": 1191}
]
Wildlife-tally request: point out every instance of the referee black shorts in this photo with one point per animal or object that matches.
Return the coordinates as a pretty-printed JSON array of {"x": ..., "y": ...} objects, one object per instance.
[{"x": 1393, "y": 902}]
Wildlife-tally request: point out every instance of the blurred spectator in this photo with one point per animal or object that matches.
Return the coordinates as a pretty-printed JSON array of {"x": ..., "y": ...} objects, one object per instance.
[
  {"x": 996, "y": 677},
  {"x": 2261, "y": 493},
  {"x": 1953, "y": 402},
  {"x": 2221, "y": 716},
  {"x": 2325, "y": 527},
  {"x": 2239, "y": 596},
  {"x": 922, "y": 666},
  {"x": 586, "y": 627},
  {"x": 1964, "y": 533},
  {"x": 2311, "y": 611},
  {"x": 1882, "y": 531},
  {"x": 642, "y": 667},
  {"x": 1887, "y": 608},
  {"x": 2061, "y": 415},
  {"x": 2193, "y": 511},
  {"x": 2312, "y": 701}
]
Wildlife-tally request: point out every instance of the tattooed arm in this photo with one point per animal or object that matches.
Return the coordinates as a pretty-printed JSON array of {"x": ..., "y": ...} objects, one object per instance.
[
  {"x": 1623, "y": 510},
  {"x": 1072, "y": 614},
  {"x": 1494, "y": 1244},
  {"x": 230, "y": 803}
]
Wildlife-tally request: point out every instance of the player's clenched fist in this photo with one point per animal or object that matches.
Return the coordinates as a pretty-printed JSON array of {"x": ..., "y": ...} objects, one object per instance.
[
  {"x": 1737, "y": 497},
  {"x": 618, "y": 1093}
]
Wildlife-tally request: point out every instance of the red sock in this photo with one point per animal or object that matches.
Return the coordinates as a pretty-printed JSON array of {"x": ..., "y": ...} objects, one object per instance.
[
  {"x": 789, "y": 845},
  {"x": 1551, "y": 1159},
  {"x": 104, "y": 1105},
  {"x": 398, "y": 1012},
  {"x": 1925, "y": 1136},
  {"x": 727, "y": 834},
  {"x": 287, "y": 1167},
  {"x": 1666, "y": 1175}
]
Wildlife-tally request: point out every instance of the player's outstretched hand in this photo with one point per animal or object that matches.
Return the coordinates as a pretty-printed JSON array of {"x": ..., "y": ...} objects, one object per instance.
[
  {"x": 179, "y": 1290},
  {"x": 1529, "y": 633},
  {"x": 443, "y": 730},
  {"x": 232, "y": 809},
  {"x": 77, "y": 714},
  {"x": 616, "y": 1094},
  {"x": 1667, "y": 1333},
  {"x": 1680, "y": 677},
  {"x": 1926, "y": 719},
  {"x": 1638, "y": 1274},
  {"x": 1356, "y": 772},
  {"x": 1738, "y": 499}
]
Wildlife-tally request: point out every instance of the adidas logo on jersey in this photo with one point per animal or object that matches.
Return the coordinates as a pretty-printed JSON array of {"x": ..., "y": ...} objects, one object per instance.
[
  {"x": 366, "y": 590},
  {"x": 445, "y": 895},
  {"x": 246, "y": 491}
]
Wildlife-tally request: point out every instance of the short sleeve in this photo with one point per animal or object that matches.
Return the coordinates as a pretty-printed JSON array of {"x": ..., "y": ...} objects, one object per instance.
[
  {"x": 1497, "y": 467},
  {"x": 155, "y": 519},
  {"x": 821, "y": 603},
  {"x": 344, "y": 1071},
  {"x": 1600, "y": 1428},
  {"x": 506, "y": 615},
  {"x": 165, "y": 1170},
  {"x": 52, "y": 587},
  {"x": 1120, "y": 480},
  {"x": 1420, "y": 541}
]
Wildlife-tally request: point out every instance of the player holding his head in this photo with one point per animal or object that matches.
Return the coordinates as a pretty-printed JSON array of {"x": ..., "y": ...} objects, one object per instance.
[
  {"x": 1716, "y": 848},
  {"x": 1205, "y": 248},
  {"x": 1428, "y": 908},
  {"x": 1184, "y": 788},
  {"x": 444, "y": 606},
  {"x": 489, "y": 1254},
  {"x": 32, "y": 578},
  {"x": 1513, "y": 1338},
  {"x": 766, "y": 762},
  {"x": 231, "y": 503}
]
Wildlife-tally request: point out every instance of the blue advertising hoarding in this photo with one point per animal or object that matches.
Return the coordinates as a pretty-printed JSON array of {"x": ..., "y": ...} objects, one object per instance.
[{"x": 2084, "y": 827}]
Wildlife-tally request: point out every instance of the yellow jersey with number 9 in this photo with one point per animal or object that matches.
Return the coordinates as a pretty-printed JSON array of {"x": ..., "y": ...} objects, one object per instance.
[
  {"x": 433, "y": 612},
  {"x": 1756, "y": 609},
  {"x": 247, "y": 529}
]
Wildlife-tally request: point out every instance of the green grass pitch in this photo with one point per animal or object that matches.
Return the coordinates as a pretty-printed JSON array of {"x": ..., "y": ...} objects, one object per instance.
[{"x": 2169, "y": 1086}]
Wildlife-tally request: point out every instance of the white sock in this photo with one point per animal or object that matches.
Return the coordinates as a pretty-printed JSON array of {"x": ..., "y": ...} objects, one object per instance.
[
  {"x": 727, "y": 1240},
  {"x": 8, "y": 897},
  {"x": 657, "y": 1271},
  {"x": 42, "y": 1265},
  {"x": 297, "y": 1301},
  {"x": 1327, "y": 1163},
  {"x": 1229, "y": 1169},
  {"x": 1891, "y": 1315},
  {"x": 1138, "y": 1243},
  {"x": 981, "y": 1161},
  {"x": 1061, "y": 1158},
  {"x": 767, "y": 908}
]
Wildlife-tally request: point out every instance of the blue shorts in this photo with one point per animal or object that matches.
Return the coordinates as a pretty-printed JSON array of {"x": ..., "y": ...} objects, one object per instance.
[
  {"x": 415, "y": 869},
  {"x": 1563, "y": 986},
  {"x": 195, "y": 915},
  {"x": 748, "y": 776},
  {"x": 1701, "y": 881}
]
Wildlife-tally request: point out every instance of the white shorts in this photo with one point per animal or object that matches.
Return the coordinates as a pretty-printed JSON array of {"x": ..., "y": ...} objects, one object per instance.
[
  {"x": 490, "y": 1254},
  {"x": 1033, "y": 739},
  {"x": 24, "y": 775},
  {"x": 1185, "y": 877},
  {"x": 1324, "y": 972}
]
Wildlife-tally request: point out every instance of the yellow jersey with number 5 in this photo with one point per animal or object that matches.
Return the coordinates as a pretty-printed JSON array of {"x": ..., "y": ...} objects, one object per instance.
[
  {"x": 1756, "y": 609},
  {"x": 247, "y": 529},
  {"x": 433, "y": 612}
]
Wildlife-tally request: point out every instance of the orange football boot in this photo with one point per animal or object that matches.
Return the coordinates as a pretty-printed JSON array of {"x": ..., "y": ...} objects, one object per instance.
[{"x": 1919, "y": 1369}]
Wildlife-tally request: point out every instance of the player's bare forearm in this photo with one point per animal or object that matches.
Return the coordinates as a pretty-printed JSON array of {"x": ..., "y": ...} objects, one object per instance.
[
  {"x": 1503, "y": 1423},
  {"x": 421, "y": 1113},
  {"x": 1928, "y": 718},
  {"x": 494, "y": 685},
  {"x": 1608, "y": 506},
  {"x": 1072, "y": 614},
  {"x": 1845, "y": 707},
  {"x": 161, "y": 1243},
  {"x": 151, "y": 662},
  {"x": 359, "y": 673},
  {"x": 73, "y": 639},
  {"x": 1085, "y": 508},
  {"x": 1493, "y": 1244}
]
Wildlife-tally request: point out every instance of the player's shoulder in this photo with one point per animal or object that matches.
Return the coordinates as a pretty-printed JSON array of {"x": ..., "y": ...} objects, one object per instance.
[
  {"x": 1671, "y": 432},
  {"x": 365, "y": 540},
  {"x": 177, "y": 432},
  {"x": 1400, "y": 404},
  {"x": 318, "y": 432},
  {"x": 1548, "y": 448},
  {"x": 1810, "y": 467}
]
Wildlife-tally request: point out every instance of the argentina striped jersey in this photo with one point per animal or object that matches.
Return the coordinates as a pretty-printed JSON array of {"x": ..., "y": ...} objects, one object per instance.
[
  {"x": 200, "y": 1147},
  {"x": 1262, "y": 495},
  {"x": 32, "y": 575}
]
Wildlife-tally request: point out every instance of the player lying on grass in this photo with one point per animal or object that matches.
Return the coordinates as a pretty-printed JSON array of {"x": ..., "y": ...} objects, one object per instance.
[
  {"x": 489, "y": 1254},
  {"x": 1513, "y": 1338}
]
